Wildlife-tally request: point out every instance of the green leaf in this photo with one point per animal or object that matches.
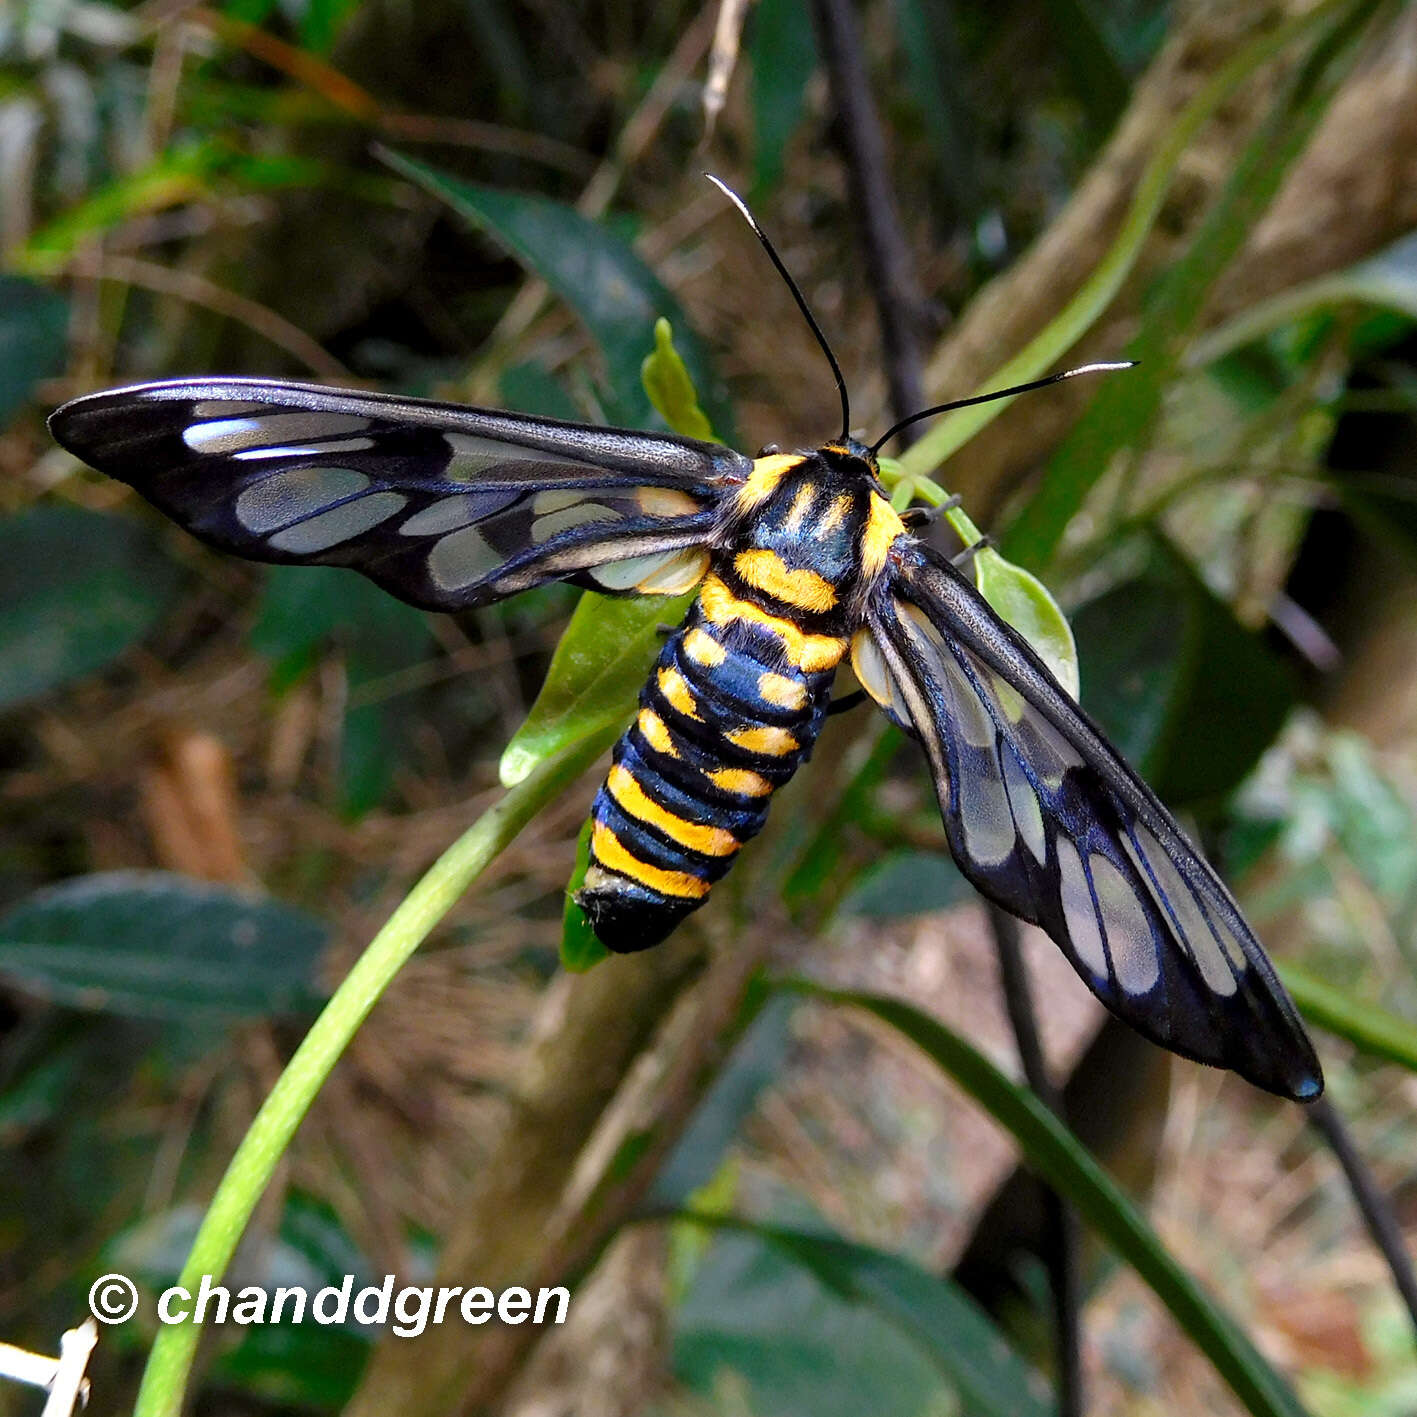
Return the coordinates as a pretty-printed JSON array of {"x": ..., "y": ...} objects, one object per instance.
[
  {"x": 580, "y": 947},
  {"x": 1369, "y": 1027},
  {"x": 76, "y": 590},
  {"x": 755, "y": 1318},
  {"x": 1125, "y": 409},
  {"x": 1187, "y": 693},
  {"x": 907, "y": 883},
  {"x": 617, "y": 297},
  {"x": 1067, "y": 1166},
  {"x": 1026, "y": 603},
  {"x": 596, "y": 674},
  {"x": 670, "y": 389},
  {"x": 304, "y": 608},
  {"x": 1387, "y": 280},
  {"x": 34, "y": 340},
  {"x": 783, "y": 48},
  {"x": 147, "y": 944}
]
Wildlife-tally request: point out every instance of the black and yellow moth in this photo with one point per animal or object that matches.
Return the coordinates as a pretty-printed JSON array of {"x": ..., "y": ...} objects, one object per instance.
[{"x": 801, "y": 562}]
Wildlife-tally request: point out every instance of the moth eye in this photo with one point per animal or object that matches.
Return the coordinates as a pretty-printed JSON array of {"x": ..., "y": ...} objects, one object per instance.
[
  {"x": 769, "y": 450},
  {"x": 461, "y": 559},
  {"x": 1129, "y": 935},
  {"x": 338, "y": 524},
  {"x": 289, "y": 496}
]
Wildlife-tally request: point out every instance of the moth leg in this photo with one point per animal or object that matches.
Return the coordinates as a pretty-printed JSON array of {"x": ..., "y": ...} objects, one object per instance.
[
  {"x": 970, "y": 552},
  {"x": 845, "y": 702},
  {"x": 915, "y": 517}
]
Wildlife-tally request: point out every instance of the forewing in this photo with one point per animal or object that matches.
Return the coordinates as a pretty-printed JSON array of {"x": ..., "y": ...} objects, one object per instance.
[
  {"x": 447, "y": 507},
  {"x": 1046, "y": 819}
]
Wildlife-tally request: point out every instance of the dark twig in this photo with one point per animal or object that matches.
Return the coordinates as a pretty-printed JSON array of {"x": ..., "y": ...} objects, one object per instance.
[
  {"x": 1060, "y": 1227},
  {"x": 892, "y": 275},
  {"x": 889, "y": 266},
  {"x": 1372, "y": 1203}
]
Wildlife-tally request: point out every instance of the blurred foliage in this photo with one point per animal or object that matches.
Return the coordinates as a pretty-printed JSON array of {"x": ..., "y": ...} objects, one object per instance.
[{"x": 501, "y": 202}]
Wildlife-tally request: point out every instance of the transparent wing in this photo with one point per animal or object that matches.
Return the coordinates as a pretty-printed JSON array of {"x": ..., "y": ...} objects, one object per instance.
[
  {"x": 447, "y": 507},
  {"x": 1045, "y": 818}
]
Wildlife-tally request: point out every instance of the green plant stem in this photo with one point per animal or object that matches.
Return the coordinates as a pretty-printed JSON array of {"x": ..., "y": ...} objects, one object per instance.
[
  {"x": 954, "y": 430},
  {"x": 251, "y": 1168}
]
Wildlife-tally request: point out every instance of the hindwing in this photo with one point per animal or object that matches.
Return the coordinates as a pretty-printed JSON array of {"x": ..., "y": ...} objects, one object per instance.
[
  {"x": 1046, "y": 819},
  {"x": 446, "y": 506}
]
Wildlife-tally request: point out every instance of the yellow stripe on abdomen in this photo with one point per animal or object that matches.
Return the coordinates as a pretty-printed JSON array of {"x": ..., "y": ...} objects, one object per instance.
[
  {"x": 608, "y": 851},
  {"x": 708, "y": 841},
  {"x": 811, "y": 653}
]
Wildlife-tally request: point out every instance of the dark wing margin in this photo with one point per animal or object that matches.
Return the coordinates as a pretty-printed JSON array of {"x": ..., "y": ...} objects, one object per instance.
[
  {"x": 1046, "y": 819},
  {"x": 446, "y": 506}
]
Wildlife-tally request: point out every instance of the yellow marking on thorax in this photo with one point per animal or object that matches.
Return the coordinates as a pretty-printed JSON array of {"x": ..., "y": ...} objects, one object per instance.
[
  {"x": 743, "y": 781},
  {"x": 607, "y": 849},
  {"x": 834, "y": 515},
  {"x": 656, "y": 734},
  {"x": 710, "y": 841},
  {"x": 806, "y": 495},
  {"x": 811, "y": 653},
  {"x": 802, "y": 589},
  {"x": 774, "y": 742},
  {"x": 766, "y": 474},
  {"x": 883, "y": 526},
  {"x": 703, "y": 649},
  {"x": 673, "y": 687},
  {"x": 780, "y": 690}
]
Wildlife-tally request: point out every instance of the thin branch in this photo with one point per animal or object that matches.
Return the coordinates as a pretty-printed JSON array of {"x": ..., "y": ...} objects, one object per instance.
[
  {"x": 889, "y": 266},
  {"x": 1368, "y": 1196}
]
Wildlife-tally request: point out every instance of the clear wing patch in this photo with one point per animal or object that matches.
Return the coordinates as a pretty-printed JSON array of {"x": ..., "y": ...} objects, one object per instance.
[
  {"x": 1045, "y": 818},
  {"x": 447, "y": 507}
]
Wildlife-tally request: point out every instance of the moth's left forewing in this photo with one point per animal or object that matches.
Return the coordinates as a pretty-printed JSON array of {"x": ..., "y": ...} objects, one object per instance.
[
  {"x": 445, "y": 506},
  {"x": 1046, "y": 819}
]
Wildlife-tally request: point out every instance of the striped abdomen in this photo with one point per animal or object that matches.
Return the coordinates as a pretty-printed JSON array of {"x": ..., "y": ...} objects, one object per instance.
[{"x": 730, "y": 711}]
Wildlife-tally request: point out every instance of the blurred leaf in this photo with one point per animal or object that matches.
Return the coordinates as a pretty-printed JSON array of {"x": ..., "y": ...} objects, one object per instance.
[
  {"x": 148, "y": 944},
  {"x": 1125, "y": 409},
  {"x": 617, "y": 297},
  {"x": 530, "y": 388},
  {"x": 321, "y": 22},
  {"x": 76, "y": 590},
  {"x": 907, "y": 883},
  {"x": 1369, "y": 1027},
  {"x": 1387, "y": 280},
  {"x": 798, "y": 1346},
  {"x": 595, "y": 677},
  {"x": 1067, "y": 1166},
  {"x": 783, "y": 48},
  {"x": 670, "y": 389},
  {"x": 580, "y": 947},
  {"x": 34, "y": 340},
  {"x": 1099, "y": 81},
  {"x": 1184, "y": 691},
  {"x": 304, "y": 608},
  {"x": 950, "y": 433},
  {"x": 756, "y": 1062}
]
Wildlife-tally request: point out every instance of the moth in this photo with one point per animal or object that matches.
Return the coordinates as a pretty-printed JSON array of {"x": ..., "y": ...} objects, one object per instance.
[{"x": 801, "y": 563}]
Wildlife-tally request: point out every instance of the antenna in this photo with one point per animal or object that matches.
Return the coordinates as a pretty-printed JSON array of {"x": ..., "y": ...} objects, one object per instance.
[
  {"x": 1000, "y": 394},
  {"x": 797, "y": 296}
]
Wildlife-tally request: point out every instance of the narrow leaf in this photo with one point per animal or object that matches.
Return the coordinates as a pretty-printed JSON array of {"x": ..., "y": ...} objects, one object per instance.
[
  {"x": 670, "y": 388},
  {"x": 34, "y": 329},
  {"x": 76, "y": 590},
  {"x": 1067, "y": 1166},
  {"x": 1369, "y": 1027},
  {"x": 596, "y": 674},
  {"x": 581, "y": 950}
]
